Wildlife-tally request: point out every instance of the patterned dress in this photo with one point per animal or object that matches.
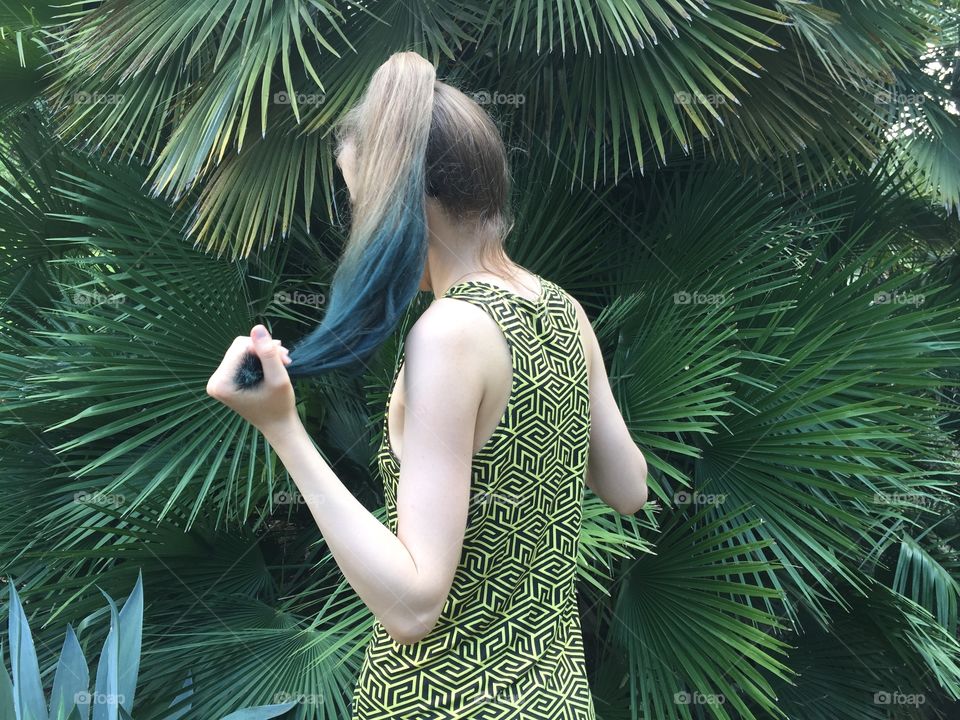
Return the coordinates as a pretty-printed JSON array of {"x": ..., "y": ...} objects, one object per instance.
[{"x": 508, "y": 642}]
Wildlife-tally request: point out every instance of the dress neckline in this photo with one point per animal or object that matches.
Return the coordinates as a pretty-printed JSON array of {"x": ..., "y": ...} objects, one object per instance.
[{"x": 540, "y": 299}]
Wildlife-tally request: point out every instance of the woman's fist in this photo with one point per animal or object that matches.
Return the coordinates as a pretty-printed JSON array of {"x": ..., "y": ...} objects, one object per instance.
[{"x": 271, "y": 404}]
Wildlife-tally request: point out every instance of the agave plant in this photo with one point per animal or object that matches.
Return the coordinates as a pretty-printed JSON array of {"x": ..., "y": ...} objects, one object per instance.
[{"x": 71, "y": 698}]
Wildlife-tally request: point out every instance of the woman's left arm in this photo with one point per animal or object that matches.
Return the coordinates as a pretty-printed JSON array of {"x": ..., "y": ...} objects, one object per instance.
[{"x": 405, "y": 578}]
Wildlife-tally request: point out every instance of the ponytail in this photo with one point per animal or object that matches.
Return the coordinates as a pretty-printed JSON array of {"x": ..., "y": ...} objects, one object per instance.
[{"x": 386, "y": 252}]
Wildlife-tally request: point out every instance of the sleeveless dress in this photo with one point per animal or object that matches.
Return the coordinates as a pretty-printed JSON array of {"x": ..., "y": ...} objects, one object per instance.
[{"x": 508, "y": 642}]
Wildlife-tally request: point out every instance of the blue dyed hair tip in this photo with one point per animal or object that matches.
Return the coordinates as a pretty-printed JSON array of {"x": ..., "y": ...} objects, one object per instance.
[{"x": 249, "y": 372}]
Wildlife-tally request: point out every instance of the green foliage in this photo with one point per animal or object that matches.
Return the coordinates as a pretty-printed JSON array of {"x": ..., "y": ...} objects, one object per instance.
[
  {"x": 116, "y": 679},
  {"x": 756, "y": 205}
]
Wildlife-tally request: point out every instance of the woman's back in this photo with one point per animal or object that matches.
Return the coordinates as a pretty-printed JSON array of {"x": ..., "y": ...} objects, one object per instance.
[{"x": 508, "y": 641}]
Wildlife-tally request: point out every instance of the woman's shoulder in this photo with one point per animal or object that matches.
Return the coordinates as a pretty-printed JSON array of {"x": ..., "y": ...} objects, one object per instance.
[
  {"x": 452, "y": 346},
  {"x": 452, "y": 326}
]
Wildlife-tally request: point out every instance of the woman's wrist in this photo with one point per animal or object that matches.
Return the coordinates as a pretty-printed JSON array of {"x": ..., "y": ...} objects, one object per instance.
[{"x": 282, "y": 433}]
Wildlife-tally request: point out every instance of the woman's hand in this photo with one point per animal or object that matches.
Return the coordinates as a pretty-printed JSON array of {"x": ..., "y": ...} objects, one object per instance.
[{"x": 270, "y": 406}]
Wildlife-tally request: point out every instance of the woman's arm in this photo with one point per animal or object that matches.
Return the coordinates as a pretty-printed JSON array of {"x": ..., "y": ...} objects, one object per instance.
[
  {"x": 405, "y": 578},
  {"x": 616, "y": 467}
]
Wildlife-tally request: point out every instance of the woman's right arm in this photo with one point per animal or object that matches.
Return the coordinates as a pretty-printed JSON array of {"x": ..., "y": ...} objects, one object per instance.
[{"x": 616, "y": 468}]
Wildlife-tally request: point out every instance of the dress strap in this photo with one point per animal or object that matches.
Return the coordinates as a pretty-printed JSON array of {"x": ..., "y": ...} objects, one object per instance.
[{"x": 511, "y": 310}]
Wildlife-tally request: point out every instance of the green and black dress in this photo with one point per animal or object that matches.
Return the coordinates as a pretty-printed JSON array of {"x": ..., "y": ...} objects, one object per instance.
[{"x": 508, "y": 642}]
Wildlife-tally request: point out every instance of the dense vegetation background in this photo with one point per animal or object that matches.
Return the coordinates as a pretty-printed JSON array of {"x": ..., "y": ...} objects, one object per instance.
[{"x": 756, "y": 201}]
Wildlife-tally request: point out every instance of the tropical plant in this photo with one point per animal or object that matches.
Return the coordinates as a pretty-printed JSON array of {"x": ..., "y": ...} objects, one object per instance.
[
  {"x": 755, "y": 202},
  {"x": 116, "y": 678}
]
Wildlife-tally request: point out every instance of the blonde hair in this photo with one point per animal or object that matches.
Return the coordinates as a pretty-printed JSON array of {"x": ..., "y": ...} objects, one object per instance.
[
  {"x": 466, "y": 168},
  {"x": 413, "y": 137}
]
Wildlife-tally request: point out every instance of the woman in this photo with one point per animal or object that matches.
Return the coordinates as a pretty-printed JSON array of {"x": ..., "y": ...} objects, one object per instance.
[{"x": 498, "y": 401}]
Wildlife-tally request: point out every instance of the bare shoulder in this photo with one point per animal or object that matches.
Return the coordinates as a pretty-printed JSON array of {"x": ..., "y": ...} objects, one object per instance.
[{"x": 452, "y": 326}]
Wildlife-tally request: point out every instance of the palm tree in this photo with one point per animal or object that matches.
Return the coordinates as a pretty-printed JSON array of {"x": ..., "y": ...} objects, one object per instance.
[{"x": 756, "y": 204}]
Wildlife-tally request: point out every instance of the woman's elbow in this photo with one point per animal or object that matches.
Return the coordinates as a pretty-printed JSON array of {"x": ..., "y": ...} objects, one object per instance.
[
  {"x": 410, "y": 630},
  {"x": 638, "y": 496},
  {"x": 635, "y": 506},
  {"x": 408, "y": 634},
  {"x": 404, "y": 637}
]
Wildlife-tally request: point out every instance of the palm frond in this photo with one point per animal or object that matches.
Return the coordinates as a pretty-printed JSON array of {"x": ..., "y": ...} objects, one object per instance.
[{"x": 686, "y": 621}]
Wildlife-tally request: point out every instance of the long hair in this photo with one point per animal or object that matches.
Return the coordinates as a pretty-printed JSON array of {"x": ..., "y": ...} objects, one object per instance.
[{"x": 413, "y": 137}]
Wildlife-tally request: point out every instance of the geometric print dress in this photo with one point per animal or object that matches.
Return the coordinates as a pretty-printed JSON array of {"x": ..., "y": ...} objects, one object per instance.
[{"x": 508, "y": 642}]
